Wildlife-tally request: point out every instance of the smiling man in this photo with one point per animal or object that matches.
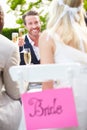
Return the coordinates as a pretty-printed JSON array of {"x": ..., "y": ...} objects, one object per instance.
[{"x": 33, "y": 25}]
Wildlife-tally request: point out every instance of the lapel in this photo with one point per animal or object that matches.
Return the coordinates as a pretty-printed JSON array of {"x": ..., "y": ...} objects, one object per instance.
[{"x": 27, "y": 44}]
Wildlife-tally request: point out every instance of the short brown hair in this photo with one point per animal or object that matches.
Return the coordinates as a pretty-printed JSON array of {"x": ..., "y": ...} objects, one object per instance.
[{"x": 31, "y": 12}]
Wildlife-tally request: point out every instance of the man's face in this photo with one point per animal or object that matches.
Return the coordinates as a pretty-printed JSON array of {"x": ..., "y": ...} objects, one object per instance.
[{"x": 33, "y": 25}]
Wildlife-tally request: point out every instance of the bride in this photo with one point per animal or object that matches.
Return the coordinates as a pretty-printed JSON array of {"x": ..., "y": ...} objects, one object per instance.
[{"x": 65, "y": 41}]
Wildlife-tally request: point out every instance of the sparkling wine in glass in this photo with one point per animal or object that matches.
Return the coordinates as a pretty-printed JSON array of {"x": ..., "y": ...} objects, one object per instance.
[
  {"x": 21, "y": 36},
  {"x": 27, "y": 56},
  {"x": 14, "y": 37},
  {"x": 21, "y": 32}
]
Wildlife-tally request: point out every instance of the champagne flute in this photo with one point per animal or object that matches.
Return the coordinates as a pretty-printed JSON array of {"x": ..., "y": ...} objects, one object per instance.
[
  {"x": 21, "y": 32},
  {"x": 27, "y": 56},
  {"x": 14, "y": 37},
  {"x": 21, "y": 35}
]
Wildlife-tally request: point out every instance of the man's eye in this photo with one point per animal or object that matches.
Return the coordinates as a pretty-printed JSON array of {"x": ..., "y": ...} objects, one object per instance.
[
  {"x": 29, "y": 23},
  {"x": 36, "y": 22}
]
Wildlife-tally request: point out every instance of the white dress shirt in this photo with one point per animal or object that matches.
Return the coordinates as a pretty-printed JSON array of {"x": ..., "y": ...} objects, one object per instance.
[{"x": 35, "y": 48}]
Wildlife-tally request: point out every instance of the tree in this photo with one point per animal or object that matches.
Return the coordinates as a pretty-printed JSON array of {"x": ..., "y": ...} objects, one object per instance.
[{"x": 85, "y": 5}]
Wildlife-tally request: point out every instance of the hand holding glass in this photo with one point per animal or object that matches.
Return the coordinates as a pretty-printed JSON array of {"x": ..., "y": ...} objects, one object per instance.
[
  {"x": 21, "y": 42},
  {"x": 21, "y": 37}
]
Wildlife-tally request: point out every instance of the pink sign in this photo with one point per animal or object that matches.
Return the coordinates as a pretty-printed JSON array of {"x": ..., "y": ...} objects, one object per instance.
[{"x": 49, "y": 109}]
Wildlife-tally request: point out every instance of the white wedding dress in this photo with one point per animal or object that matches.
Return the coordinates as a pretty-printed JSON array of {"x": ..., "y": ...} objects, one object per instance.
[{"x": 66, "y": 54}]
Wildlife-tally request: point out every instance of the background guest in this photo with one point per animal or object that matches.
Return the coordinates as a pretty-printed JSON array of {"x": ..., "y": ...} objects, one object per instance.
[
  {"x": 32, "y": 24},
  {"x": 10, "y": 107}
]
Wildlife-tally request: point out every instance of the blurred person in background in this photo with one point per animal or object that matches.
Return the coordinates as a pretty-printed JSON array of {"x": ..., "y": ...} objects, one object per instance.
[{"x": 10, "y": 106}]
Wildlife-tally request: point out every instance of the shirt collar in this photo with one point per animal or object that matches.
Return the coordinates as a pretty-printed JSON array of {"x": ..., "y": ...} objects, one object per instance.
[{"x": 31, "y": 42}]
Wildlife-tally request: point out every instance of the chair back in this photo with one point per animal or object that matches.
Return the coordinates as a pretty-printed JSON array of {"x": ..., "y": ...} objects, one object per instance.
[{"x": 41, "y": 73}]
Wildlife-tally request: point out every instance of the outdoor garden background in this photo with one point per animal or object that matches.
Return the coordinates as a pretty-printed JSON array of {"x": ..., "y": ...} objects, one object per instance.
[{"x": 19, "y": 7}]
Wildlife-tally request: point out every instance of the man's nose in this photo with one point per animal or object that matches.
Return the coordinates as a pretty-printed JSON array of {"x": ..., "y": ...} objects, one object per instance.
[{"x": 34, "y": 25}]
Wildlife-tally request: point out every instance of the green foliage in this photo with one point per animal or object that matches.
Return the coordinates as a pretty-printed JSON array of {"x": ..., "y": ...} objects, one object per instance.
[
  {"x": 34, "y": 4},
  {"x": 19, "y": 21},
  {"x": 85, "y": 5},
  {"x": 14, "y": 3},
  {"x": 44, "y": 23},
  {"x": 8, "y": 32}
]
